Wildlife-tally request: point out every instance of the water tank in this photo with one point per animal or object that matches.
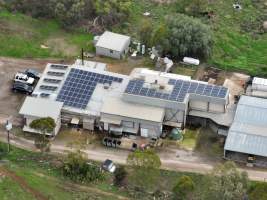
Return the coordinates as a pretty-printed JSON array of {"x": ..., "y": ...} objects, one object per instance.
[{"x": 191, "y": 61}]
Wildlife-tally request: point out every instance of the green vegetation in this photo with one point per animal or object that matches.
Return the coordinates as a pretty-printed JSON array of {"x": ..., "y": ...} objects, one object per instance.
[
  {"x": 239, "y": 41},
  {"x": 10, "y": 190},
  {"x": 226, "y": 182},
  {"x": 43, "y": 174},
  {"x": 22, "y": 36},
  {"x": 44, "y": 125},
  {"x": 145, "y": 168},
  {"x": 190, "y": 138},
  {"x": 78, "y": 169},
  {"x": 184, "y": 188}
]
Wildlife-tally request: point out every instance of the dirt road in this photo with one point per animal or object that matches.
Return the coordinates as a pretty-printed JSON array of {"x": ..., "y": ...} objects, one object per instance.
[
  {"x": 169, "y": 160},
  {"x": 23, "y": 184}
]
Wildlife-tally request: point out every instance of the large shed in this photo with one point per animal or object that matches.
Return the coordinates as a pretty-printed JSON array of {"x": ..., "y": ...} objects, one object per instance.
[
  {"x": 113, "y": 45},
  {"x": 248, "y": 133}
]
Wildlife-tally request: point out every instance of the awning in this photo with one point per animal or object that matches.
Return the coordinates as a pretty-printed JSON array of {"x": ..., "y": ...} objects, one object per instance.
[
  {"x": 75, "y": 121},
  {"x": 110, "y": 120}
]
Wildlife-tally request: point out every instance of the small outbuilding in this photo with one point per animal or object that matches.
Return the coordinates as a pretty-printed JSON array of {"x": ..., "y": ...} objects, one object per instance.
[{"x": 113, "y": 45}]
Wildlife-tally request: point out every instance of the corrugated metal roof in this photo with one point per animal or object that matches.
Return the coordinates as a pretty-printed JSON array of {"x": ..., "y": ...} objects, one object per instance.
[
  {"x": 248, "y": 133},
  {"x": 246, "y": 143},
  {"x": 113, "y": 41}
]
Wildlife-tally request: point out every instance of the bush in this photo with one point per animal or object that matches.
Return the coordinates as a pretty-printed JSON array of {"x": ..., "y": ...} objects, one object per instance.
[
  {"x": 78, "y": 169},
  {"x": 184, "y": 187},
  {"x": 120, "y": 176}
]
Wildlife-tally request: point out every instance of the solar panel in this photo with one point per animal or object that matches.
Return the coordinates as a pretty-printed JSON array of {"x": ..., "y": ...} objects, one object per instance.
[
  {"x": 61, "y": 67},
  {"x": 51, "y": 80},
  {"x": 48, "y": 87},
  {"x": 179, "y": 91},
  {"x": 52, "y": 73},
  {"x": 44, "y": 95},
  {"x": 80, "y": 85},
  {"x": 172, "y": 82}
]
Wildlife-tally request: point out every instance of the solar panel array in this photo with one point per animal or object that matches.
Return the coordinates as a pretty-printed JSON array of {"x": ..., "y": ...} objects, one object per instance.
[
  {"x": 48, "y": 87},
  {"x": 180, "y": 89},
  {"x": 51, "y": 80},
  {"x": 80, "y": 85},
  {"x": 52, "y": 73},
  {"x": 61, "y": 67}
]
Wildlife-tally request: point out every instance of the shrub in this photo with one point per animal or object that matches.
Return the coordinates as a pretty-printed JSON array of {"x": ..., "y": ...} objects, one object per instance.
[{"x": 78, "y": 169}]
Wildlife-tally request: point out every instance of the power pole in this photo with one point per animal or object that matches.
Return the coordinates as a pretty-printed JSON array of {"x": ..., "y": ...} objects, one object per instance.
[{"x": 8, "y": 128}]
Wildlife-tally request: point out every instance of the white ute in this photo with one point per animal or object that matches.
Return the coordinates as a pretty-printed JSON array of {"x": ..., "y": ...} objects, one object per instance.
[{"x": 20, "y": 77}]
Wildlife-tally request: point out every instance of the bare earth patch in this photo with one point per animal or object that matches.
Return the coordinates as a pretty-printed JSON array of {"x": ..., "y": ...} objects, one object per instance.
[{"x": 59, "y": 46}]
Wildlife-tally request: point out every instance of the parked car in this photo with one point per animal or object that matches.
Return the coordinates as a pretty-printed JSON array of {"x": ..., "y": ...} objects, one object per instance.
[
  {"x": 23, "y": 78},
  {"x": 109, "y": 166},
  {"x": 22, "y": 87},
  {"x": 32, "y": 73}
]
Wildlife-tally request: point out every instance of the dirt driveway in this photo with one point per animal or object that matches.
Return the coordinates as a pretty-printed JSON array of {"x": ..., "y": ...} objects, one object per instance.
[{"x": 10, "y": 103}]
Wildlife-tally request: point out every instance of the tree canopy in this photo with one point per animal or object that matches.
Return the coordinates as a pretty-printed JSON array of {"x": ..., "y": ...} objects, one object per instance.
[
  {"x": 226, "y": 183},
  {"x": 187, "y": 36},
  {"x": 44, "y": 125}
]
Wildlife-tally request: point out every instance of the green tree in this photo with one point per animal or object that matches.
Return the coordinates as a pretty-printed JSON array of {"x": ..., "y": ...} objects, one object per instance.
[
  {"x": 110, "y": 12},
  {"x": 159, "y": 35},
  {"x": 120, "y": 176},
  {"x": 226, "y": 183},
  {"x": 44, "y": 125},
  {"x": 184, "y": 188},
  {"x": 146, "y": 168},
  {"x": 188, "y": 36},
  {"x": 145, "y": 30},
  {"x": 69, "y": 12}
]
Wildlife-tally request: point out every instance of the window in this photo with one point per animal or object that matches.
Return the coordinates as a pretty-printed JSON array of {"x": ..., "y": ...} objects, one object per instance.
[
  {"x": 128, "y": 124},
  {"x": 111, "y": 51}
]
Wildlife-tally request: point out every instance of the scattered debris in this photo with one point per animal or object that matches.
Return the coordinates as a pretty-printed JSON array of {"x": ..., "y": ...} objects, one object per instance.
[
  {"x": 44, "y": 46},
  {"x": 147, "y": 14},
  {"x": 237, "y": 6}
]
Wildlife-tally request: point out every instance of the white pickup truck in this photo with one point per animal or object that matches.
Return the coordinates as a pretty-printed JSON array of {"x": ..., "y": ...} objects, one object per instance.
[{"x": 20, "y": 77}]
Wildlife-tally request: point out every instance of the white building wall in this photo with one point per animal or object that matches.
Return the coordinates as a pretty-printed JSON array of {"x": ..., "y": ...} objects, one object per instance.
[
  {"x": 198, "y": 105},
  {"x": 216, "y": 108},
  {"x": 109, "y": 53}
]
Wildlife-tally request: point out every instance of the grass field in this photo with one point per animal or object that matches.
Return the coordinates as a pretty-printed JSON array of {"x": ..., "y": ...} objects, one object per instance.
[
  {"x": 22, "y": 36},
  {"x": 234, "y": 48}
]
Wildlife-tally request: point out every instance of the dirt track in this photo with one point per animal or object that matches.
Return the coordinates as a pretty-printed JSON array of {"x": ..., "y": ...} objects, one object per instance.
[{"x": 23, "y": 184}]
